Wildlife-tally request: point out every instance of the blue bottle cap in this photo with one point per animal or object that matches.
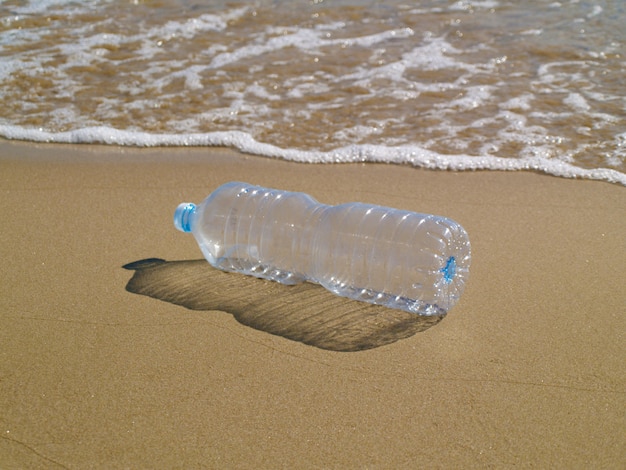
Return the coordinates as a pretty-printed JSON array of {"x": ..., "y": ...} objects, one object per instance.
[{"x": 183, "y": 216}]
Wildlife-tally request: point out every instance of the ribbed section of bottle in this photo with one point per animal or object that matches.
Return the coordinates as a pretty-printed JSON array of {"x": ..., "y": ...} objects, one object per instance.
[
  {"x": 258, "y": 231},
  {"x": 404, "y": 260}
]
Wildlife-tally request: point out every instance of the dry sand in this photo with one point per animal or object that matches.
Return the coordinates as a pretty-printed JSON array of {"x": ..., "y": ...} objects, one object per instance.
[{"x": 527, "y": 370}]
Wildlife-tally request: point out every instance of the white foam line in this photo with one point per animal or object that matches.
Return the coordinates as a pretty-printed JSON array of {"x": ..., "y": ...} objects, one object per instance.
[
  {"x": 244, "y": 142},
  {"x": 44, "y": 6},
  {"x": 305, "y": 39}
]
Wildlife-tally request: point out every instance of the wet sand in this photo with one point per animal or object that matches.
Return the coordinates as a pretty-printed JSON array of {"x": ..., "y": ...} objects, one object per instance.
[{"x": 527, "y": 369}]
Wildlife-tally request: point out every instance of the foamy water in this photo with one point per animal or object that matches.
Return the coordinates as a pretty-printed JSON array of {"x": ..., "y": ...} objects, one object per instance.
[{"x": 462, "y": 85}]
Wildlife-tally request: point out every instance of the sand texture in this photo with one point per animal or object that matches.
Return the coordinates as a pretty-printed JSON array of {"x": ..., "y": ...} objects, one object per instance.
[{"x": 122, "y": 348}]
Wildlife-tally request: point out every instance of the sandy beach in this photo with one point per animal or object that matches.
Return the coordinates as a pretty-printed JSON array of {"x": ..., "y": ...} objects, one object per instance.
[{"x": 526, "y": 371}]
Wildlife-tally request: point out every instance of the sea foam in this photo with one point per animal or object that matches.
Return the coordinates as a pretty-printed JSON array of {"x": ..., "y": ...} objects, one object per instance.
[{"x": 244, "y": 142}]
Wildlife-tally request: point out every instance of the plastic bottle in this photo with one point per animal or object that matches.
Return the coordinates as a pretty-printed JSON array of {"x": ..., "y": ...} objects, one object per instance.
[{"x": 400, "y": 259}]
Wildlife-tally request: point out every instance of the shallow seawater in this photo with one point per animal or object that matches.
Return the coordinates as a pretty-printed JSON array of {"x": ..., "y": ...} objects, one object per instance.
[{"x": 490, "y": 84}]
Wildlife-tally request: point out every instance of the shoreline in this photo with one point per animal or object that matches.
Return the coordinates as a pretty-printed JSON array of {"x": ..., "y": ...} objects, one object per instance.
[
  {"x": 244, "y": 144},
  {"x": 525, "y": 370}
]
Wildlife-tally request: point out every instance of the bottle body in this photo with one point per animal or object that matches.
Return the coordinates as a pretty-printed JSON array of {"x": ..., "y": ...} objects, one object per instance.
[{"x": 400, "y": 259}]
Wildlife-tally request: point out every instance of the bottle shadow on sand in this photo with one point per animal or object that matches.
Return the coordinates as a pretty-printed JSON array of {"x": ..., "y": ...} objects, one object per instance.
[{"x": 305, "y": 312}]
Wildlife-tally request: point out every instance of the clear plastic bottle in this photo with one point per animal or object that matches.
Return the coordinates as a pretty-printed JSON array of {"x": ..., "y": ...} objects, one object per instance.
[{"x": 400, "y": 259}]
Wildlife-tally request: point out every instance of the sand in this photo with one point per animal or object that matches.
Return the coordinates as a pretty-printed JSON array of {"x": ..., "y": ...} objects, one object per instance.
[{"x": 527, "y": 370}]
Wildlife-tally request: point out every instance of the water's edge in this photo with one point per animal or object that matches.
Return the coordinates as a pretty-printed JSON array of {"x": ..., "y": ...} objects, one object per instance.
[{"x": 244, "y": 142}]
